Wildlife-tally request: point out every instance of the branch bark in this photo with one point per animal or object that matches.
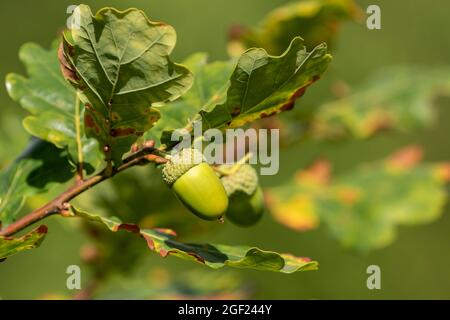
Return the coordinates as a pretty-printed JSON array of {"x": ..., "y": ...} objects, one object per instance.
[{"x": 147, "y": 154}]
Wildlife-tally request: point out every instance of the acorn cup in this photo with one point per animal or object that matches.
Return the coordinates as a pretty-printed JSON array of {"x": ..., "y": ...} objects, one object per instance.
[
  {"x": 246, "y": 199},
  {"x": 196, "y": 185}
]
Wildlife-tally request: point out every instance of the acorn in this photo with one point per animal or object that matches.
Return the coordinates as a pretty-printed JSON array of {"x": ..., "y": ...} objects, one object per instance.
[
  {"x": 196, "y": 184},
  {"x": 246, "y": 200}
]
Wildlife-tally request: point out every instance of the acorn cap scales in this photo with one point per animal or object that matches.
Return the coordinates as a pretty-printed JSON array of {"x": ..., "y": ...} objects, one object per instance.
[
  {"x": 243, "y": 181},
  {"x": 180, "y": 163}
]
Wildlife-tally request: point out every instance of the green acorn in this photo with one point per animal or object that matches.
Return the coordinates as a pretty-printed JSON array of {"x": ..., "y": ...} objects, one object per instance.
[
  {"x": 196, "y": 184},
  {"x": 246, "y": 200}
]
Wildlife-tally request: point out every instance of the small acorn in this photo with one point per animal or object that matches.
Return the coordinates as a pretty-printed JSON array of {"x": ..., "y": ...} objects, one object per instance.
[
  {"x": 196, "y": 184},
  {"x": 246, "y": 200}
]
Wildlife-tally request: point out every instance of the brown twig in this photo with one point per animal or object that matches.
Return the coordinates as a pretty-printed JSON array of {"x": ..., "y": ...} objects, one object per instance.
[{"x": 145, "y": 155}]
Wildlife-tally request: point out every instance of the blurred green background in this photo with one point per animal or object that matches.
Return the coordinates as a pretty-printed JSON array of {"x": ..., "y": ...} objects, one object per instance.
[{"x": 415, "y": 266}]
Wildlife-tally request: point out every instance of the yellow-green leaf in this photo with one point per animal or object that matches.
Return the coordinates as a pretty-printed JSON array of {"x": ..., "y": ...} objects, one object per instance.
[
  {"x": 316, "y": 21},
  {"x": 399, "y": 98},
  {"x": 10, "y": 246},
  {"x": 56, "y": 114},
  {"x": 362, "y": 208}
]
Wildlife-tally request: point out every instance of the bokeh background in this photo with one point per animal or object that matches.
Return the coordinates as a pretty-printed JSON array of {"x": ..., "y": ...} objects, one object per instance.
[{"x": 415, "y": 266}]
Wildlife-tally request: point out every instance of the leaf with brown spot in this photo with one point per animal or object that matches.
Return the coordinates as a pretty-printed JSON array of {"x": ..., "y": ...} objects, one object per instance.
[
  {"x": 362, "y": 208},
  {"x": 319, "y": 173},
  {"x": 395, "y": 98},
  {"x": 120, "y": 62},
  {"x": 406, "y": 158},
  {"x": 33, "y": 239},
  {"x": 163, "y": 242},
  {"x": 263, "y": 85}
]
